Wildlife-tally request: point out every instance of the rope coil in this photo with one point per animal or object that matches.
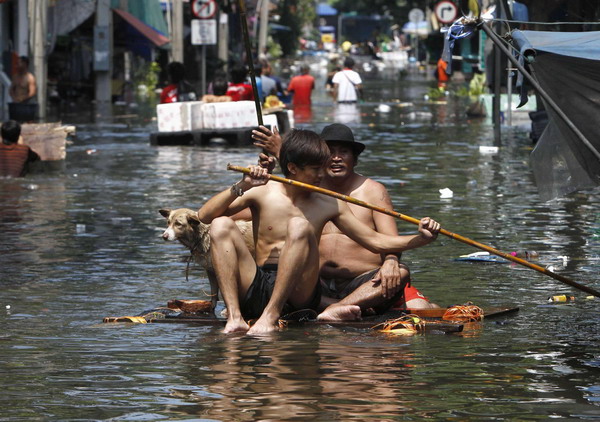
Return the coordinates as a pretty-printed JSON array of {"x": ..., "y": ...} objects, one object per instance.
[{"x": 466, "y": 312}]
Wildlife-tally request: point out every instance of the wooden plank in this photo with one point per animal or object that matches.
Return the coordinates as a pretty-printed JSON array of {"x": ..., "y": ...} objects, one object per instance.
[
  {"x": 432, "y": 318},
  {"x": 439, "y": 312},
  {"x": 365, "y": 324}
]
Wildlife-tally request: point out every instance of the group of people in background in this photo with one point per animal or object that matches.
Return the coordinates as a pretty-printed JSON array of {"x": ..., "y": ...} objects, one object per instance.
[
  {"x": 343, "y": 83},
  {"x": 233, "y": 87}
]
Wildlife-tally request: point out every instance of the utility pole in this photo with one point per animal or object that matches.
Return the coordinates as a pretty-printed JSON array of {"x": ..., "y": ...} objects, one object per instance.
[
  {"x": 264, "y": 25},
  {"x": 103, "y": 50},
  {"x": 22, "y": 39},
  {"x": 223, "y": 40},
  {"x": 177, "y": 40},
  {"x": 39, "y": 18}
]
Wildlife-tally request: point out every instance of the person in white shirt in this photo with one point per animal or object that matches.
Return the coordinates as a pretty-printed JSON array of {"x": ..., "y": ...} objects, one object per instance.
[{"x": 347, "y": 84}]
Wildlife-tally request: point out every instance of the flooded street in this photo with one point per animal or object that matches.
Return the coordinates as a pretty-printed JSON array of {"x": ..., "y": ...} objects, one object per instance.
[{"x": 85, "y": 243}]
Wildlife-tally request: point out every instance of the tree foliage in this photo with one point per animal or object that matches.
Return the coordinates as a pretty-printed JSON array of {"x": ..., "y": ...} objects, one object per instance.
[{"x": 294, "y": 14}]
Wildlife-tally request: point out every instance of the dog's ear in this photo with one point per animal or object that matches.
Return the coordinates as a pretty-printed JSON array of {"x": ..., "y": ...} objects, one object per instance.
[
  {"x": 165, "y": 212},
  {"x": 193, "y": 219}
]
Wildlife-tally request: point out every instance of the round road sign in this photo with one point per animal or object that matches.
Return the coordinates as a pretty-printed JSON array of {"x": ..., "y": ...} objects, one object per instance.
[
  {"x": 446, "y": 11},
  {"x": 204, "y": 9}
]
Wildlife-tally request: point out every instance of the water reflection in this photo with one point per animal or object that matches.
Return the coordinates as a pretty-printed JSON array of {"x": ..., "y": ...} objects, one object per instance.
[
  {"x": 294, "y": 379},
  {"x": 348, "y": 114},
  {"x": 303, "y": 114}
]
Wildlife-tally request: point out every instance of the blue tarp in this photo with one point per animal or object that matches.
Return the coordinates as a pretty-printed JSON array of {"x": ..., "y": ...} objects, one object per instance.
[
  {"x": 585, "y": 45},
  {"x": 323, "y": 9},
  {"x": 567, "y": 68}
]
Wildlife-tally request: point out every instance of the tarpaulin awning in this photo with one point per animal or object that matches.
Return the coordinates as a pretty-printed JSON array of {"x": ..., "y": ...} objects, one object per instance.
[
  {"x": 66, "y": 15},
  {"x": 148, "y": 11},
  {"x": 585, "y": 45},
  {"x": 148, "y": 32},
  {"x": 567, "y": 68}
]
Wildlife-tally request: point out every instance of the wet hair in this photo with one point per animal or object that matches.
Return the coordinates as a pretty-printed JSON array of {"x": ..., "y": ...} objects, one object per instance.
[
  {"x": 238, "y": 74},
  {"x": 219, "y": 86},
  {"x": 11, "y": 130},
  {"x": 176, "y": 72},
  {"x": 349, "y": 62},
  {"x": 303, "y": 148}
]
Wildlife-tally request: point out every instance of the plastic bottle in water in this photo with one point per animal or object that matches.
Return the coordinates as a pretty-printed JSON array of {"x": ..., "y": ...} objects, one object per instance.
[{"x": 561, "y": 299}]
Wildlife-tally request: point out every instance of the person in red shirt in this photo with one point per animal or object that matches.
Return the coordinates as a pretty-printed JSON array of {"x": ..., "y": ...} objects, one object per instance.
[
  {"x": 239, "y": 89},
  {"x": 179, "y": 89},
  {"x": 302, "y": 86},
  {"x": 14, "y": 157}
]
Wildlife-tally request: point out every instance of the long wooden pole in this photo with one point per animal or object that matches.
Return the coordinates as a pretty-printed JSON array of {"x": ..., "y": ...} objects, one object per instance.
[
  {"x": 244, "y": 21},
  {"x": 416, "y": 221}
]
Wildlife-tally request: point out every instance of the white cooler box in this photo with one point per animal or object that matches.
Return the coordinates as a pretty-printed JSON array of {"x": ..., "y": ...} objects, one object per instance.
[
  {"x": 229, "y": 115},
  {"x": 177, "y": 117},
  {"x": 270, "y": 120}
]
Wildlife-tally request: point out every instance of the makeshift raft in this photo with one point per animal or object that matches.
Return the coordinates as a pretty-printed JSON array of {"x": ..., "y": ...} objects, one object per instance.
[{"x": 196, "y": 312}]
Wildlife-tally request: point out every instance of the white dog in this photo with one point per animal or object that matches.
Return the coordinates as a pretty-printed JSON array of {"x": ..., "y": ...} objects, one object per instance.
[{"x": 183, "y": 225}]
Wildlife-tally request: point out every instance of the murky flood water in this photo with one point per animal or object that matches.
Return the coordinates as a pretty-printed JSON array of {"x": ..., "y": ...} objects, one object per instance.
[{"x": 84, "y": 243}]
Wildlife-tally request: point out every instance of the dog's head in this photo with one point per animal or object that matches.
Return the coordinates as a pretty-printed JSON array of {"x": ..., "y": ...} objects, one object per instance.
[{"x": 182, "y": 224}]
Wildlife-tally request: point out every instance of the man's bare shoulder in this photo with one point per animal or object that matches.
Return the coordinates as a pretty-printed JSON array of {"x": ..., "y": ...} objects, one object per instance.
[
  {"x": 370, "y": 189},
  {"x": 259, "y": 192}
]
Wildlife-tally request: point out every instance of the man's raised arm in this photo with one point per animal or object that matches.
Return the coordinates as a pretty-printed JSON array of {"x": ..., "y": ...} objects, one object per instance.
[
  {"x": 231, "y": 200},
  {"x": 381, "y": 243}
]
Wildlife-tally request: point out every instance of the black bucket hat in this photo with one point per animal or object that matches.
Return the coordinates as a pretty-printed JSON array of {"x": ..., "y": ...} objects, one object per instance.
[{"x": 338, "y": 132}]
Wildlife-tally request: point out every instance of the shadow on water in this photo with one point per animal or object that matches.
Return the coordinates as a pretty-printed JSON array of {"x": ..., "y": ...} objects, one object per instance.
[{"x": 84, "y": 242}]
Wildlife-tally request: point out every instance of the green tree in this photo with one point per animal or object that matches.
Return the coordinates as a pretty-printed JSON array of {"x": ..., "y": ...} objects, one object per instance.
[{"x": 294, "y": 14}]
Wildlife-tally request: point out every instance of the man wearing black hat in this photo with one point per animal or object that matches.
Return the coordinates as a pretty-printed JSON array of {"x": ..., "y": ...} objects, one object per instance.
[
  {"x": 351, "y": 274},
  {"x": 287, "y": 225}
]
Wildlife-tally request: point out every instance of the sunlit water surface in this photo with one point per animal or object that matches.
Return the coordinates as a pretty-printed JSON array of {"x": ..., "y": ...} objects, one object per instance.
[{"x": 84, "y": 243}]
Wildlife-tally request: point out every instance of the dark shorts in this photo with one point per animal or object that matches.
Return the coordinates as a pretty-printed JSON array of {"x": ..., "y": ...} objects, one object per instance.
[
  {"x": 260, "y": 291},
  {"x": 339, "y": 289}
]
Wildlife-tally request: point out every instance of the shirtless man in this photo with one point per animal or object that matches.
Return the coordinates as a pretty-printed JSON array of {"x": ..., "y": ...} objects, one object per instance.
[
  {"x": 350, "y": 273},
  {"x": 23, "y": 87},
  {"x": 288, "y": 222}
]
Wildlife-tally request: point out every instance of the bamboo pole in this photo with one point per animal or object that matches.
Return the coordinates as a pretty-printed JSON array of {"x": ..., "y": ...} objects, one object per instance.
[
  {"x": 244, "y": 22},
  {"x": 413, "y": 220}
]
